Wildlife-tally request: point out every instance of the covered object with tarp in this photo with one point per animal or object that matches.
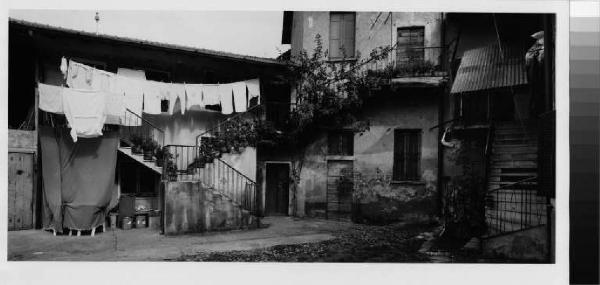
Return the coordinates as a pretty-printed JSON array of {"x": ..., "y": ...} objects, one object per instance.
[{"x": 78, "y": 178}]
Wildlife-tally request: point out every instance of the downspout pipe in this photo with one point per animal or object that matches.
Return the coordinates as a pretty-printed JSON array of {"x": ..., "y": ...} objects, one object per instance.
[{"x": 443, "y": 93}]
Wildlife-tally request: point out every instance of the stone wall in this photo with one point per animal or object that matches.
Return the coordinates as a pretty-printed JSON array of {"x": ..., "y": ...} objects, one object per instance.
[{"x": 384, "y": 200}]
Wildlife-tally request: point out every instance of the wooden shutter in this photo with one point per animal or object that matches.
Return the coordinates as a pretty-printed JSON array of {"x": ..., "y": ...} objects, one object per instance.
[
  {"x": 399, "y": 155},
  {"x": 348, "y": 34},
  {"x": 335, "y": 37},
  {"x": 407, "y": 155},
  {"x": 341, "y": 35},
  {"x": 410, "y": 42},
  {"x": 413, "y": 154}
]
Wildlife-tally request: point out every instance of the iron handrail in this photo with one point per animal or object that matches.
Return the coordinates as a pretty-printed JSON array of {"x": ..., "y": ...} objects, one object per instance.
[
  {"x": 145, "y": 121},
  {"x": 236, "y": 171}
]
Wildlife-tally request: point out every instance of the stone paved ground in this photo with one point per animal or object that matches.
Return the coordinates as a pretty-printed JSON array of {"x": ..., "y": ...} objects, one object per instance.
[
  {"x": 144, "y": 244},
  {"x": 285, "y": 239},
  {"x": 357, "y": 243}
]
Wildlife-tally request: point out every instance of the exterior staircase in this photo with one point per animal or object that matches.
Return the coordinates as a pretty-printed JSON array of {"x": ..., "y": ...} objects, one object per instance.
[
  {"x": 135, "y": 125},
  {"x": 513, "y": 202}
]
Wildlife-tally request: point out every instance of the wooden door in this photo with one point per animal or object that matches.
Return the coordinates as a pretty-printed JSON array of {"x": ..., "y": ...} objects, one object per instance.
[
  {"x": 277, "y": 189},
  {"x": 20, "y": 191},
  {"x": 339, "y": 190}
]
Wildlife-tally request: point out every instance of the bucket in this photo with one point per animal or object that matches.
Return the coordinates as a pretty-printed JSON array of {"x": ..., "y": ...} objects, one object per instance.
[
  {"x": 113, "y": 221},
  {"x": 126, "y": 223},
  {"x": 140, "y": 221}
]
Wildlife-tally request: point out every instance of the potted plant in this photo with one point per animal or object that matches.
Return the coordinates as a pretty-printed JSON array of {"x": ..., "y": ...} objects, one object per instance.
[
  {"x": 149, "y": 145},
  {"x": 171, "y": 170},
  {"x": 161, "y": 153},
  {"x": 137, "y": 141}
]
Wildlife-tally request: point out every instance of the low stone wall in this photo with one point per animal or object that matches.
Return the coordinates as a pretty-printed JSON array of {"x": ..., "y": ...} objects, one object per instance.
[{"x": 192, "y": 208}]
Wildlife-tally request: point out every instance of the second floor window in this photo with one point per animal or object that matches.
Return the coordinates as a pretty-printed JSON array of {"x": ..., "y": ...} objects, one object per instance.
[
  {"x": 410, "y": 45},
  {"x": 341, "y": 35}
]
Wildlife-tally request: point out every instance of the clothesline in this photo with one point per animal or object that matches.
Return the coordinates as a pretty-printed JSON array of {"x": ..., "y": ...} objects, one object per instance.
[
  {"x": 96, "y": 97},
  {"x": 143, "y": 95}
]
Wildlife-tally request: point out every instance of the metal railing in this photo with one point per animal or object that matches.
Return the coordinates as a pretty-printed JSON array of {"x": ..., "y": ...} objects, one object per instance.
[
  {"x": 514, "y": 207},
  {"x": 410, "y": 62},
  {"x": 135, "y": 128},
  {"x": 143, "y": 137},
  {"x": 188, "y": 165}
]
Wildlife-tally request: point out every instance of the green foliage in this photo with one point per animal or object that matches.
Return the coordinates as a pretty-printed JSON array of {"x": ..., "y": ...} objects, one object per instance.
[{"x": 329, "y": 94}]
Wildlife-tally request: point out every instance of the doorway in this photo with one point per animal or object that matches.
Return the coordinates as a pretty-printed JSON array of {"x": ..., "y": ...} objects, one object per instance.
[{"x": 277, "y": 188}]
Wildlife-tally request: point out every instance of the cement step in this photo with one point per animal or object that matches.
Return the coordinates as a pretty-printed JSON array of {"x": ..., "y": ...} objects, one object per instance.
[
  {"x": 514, "y": 149},
  {"x": 513, "y": 156},
  {"x": 514, "y": 164},
  {"x": 140, "y": 158}
]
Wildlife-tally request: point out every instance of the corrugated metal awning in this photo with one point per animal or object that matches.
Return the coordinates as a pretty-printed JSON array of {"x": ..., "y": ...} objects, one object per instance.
[{"x": 485, "y": 68}]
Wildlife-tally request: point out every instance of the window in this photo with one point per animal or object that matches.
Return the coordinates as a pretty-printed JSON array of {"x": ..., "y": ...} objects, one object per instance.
[
  {"x": 407, "y": 155},
  {"x": 341, "y": 35},
  {"x": 410, "y": 45},
  {"x": 340, "y": 143}
]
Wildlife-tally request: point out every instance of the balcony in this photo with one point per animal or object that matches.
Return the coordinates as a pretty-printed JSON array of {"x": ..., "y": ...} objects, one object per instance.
[{"x": 412, "y": 67}]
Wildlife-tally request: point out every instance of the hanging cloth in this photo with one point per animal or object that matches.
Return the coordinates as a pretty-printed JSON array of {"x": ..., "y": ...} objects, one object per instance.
[
  {"x": 50, "y": 98},
  {"x": 240, "y": 101},
  {"x": 226, "y": 98},
  {"x": 85, "y": 112},
  {"x": 79, "y": 179},
  {"x": 81, "y": 76},
  {"x": 130, "y": 83},
  {"x": 152, "y": 95},
  {"x": 194, "y": 96},
  {"x": 115, "y": 109},
  {"x": 253, "y": 86},
  {"x": 177, "y": 93},
  {"x": 210, "y": 94}
]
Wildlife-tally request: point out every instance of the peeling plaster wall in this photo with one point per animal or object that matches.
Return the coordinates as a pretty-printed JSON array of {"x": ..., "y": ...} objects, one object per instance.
[{"x": 373, "y": 150}]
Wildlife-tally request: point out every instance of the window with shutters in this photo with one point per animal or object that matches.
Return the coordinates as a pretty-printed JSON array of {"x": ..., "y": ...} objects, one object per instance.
[
  {"x": 340, "y": 143},
  {"x": 341, "y": 35},
  {"x": 410, "y": 45},
  {"x": 407, "y": 155}
]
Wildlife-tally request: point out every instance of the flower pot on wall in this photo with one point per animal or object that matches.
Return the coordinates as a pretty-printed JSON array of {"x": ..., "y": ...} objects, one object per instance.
[
  {"x": 148, "y": 155},
  {"x": 137, "y": 149}
]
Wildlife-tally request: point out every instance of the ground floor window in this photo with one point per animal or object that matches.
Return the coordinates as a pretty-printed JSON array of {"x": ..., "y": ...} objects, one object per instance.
[
  {"x": 340, "y": 143},
  {"x": 407, "y": 154}
]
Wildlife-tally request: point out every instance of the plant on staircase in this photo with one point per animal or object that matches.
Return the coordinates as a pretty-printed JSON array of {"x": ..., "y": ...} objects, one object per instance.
[
  {"x": 149, "y": 146},
  {"x": 171, "y": 168},
  {"x": 137, "y": 141},
  {"x": 161, "y": 154}
]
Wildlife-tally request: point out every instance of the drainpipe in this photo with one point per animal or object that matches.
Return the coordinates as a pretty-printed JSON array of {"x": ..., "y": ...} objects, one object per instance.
[{"x": 443, "y": 89}]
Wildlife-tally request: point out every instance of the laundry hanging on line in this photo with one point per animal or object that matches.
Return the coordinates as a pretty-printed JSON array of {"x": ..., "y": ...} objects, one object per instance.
[
  {"x": 177, "y": 93},
  {"x": 226, "y": 97},
  {"x": 143, "y": 95},
  {"x": 195, "y": 96},
  {"x": 85, "y": 111},
  {"x": 240, "y": 99},
  {"x": 51, "y": 100}
]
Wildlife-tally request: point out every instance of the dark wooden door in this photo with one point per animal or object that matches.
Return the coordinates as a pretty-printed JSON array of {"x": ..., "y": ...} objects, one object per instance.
[
  {"x": 277, "y": 189},
  {"x": 20, "y": 191},
  {"x": 339, "y": 190}
]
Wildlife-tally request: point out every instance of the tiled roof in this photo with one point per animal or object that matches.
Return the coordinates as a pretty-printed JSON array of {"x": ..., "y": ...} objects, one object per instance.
[
  {"x": 486, "y": 68},
  {"x": 208, "y": 52}
]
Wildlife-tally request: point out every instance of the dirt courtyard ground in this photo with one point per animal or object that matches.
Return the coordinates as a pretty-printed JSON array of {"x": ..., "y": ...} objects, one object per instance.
[{"x": 285, "y": 239}]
